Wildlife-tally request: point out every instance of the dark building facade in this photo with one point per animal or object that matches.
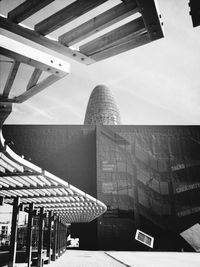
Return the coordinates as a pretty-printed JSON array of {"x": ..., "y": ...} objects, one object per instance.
[{"x": 148, "y": 176}]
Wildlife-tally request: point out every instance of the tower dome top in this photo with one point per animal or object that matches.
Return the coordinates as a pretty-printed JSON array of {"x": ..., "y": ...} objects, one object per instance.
[{"x": 101, "y": 108}]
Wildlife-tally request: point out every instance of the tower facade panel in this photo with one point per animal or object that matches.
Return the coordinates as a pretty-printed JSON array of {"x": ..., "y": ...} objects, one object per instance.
[{"x": 102, "y": 109}]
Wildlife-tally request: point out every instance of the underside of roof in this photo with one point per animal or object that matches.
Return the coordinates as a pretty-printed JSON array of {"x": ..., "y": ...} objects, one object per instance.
[
  {"x": 87, "y": 31},
  {"x": 21, "y": 178}
]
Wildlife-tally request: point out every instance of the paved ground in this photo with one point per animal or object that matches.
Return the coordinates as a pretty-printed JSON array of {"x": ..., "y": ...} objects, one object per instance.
[
  {"x": 83, "y": 258},
  {"x": 157, "y": 259}
]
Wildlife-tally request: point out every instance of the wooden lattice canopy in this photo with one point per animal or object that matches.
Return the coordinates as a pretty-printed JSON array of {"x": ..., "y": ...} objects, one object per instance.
[
  {"x": 20, "y": 53},
  {"x": 21, "y": 178},
  {"x": 144, "y": 26}
]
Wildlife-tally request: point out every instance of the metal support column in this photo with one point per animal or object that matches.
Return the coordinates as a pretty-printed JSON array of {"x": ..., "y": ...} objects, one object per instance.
[
  {"x": 49, "y": 236},
  {"x": 29, "y": 234},
  {"x": 62, "y": 238},
  {"x": 41, "y": 236},
  {"x": 54, "y": 239},
  {"x": 13, "y": 239},
  {"x": 65, "y": 241},
  {"x": 58, "y": 243}
]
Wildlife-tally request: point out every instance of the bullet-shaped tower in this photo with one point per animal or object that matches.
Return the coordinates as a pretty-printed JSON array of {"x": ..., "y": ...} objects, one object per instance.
[{"x": 101, "y": 108}]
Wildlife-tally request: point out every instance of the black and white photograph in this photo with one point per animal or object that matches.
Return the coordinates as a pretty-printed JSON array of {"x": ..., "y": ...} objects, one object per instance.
[{"x": 100, "y": 133}]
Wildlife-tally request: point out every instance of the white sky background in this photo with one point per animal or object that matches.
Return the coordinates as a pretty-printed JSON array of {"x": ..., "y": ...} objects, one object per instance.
[
  {"x": 6, "y": 215},
  {"x": 158, "y": 83}
]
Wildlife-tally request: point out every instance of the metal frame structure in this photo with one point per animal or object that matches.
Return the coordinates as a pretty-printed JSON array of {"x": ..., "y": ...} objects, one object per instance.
[{"x": 139, "y": 31}]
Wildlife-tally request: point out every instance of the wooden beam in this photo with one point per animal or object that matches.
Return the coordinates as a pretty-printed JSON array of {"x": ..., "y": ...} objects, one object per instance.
[
  {"x": 27, "y": 9},
  {"x": 49, "y": 236},
  {"x": 41, "y": 237},
  {"x": 16, "y": 174},
  {"x": 13, "y": 239},
  {"x": 66, "y": 15},
  {"x": 151, "y": 17},
  {"x": 37, "y": 88},
  {"x": 7, "y": 183},
  {"x": 5, "y": 110},
  {"x": 33, "y": 57},
  {"x": 64, "y": 210},
  {"x": 44, "y": 41},
  {"x": 57, "y": 202},
  {"x": 122, "y": 41},
  {"x": 1, "y": 201},
  {"x": 30, "y": 187},
  {"x": 99, "y": 44},
  {"x": 139, "y": 41},
  {"x": 29, "y": 234},
  {"x": 11, "y": 181},
  {"x": 34, "y": 78},
  {"x": 10, "y": 79},
  {"x": 195, "y": 12},
  {"x": 35, "y": 197},
  {"x": 99, "y": 23}
]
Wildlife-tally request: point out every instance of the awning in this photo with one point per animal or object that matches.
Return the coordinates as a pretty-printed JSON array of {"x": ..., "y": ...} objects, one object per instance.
[{"x": 21, "y": 178}]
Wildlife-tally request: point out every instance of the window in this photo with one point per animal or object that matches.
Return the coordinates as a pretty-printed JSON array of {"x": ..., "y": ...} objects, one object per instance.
[{"x": 144, "y": 238}]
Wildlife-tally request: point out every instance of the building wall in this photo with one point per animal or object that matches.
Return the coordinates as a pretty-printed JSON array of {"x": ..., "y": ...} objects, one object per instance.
[
  {"x": 148, "y": 176},
  {"x": 66, "y": 151}
]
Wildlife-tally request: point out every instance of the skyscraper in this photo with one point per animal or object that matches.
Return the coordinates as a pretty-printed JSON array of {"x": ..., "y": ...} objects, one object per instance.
[{"x": 101, "y": 108}]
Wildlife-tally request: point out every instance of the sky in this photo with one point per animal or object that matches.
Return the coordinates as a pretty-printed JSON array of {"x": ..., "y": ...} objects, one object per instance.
[
  {"x": 6, "y": 215},
  {"x": 155, "y": 84}
]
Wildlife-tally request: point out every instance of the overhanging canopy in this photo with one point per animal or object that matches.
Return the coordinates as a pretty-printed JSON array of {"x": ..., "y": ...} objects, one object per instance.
[
  {"x": 99, "y": 28},
  {"x": 20, "y": 178}
]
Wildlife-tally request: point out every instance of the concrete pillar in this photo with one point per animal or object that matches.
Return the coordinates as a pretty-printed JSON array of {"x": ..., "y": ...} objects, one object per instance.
[{"x": 13, "y": 239}]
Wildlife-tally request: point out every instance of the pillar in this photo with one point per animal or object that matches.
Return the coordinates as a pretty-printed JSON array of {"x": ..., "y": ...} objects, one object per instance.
[
  {"x": 58, "y": 237},
  {"x": 41, "y": 237},
  {"x": 29, "y": 234},
  {"x": 49, "y": 236},
  {"x": 62, "y": 238},
  {"x": 65, "y": 238},
  {"x": 54, "y": 238},
  {"x": 13, "y": 239}
]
